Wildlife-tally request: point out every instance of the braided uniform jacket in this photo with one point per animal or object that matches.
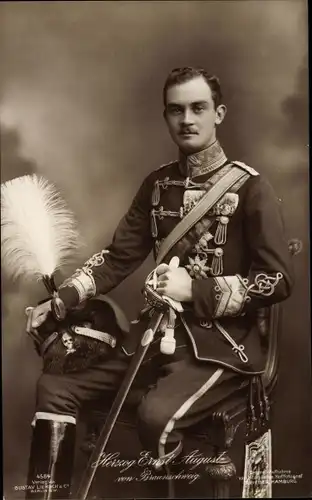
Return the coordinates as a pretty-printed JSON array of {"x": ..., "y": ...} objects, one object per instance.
[{"x": 236, "y": 254}]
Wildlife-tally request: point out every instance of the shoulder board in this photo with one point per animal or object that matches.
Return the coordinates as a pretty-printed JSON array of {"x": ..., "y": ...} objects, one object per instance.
[
  {"x": 165, "y": 165},
  {"x": 248, "y": 169}
]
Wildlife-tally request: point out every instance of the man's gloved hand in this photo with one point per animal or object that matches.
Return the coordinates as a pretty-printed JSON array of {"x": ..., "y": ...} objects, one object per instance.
[
  {"x": 36, "y": 316},
  {"x": 173, "y": 282}
]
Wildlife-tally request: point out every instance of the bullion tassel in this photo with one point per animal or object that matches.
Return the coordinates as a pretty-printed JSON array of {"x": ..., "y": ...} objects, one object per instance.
[
  {"x": 154, "y": 228},
  {"x": 221, "y": 232},
  {"x": 217, "y": 262},
  {"x": 156, "y": 194}
]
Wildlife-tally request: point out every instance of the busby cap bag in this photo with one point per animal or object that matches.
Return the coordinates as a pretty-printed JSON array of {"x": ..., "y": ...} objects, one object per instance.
[{"x": 87, "y": 336}]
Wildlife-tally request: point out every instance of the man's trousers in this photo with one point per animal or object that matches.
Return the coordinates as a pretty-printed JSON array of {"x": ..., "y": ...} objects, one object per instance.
[{"x": 179, "y": 391}]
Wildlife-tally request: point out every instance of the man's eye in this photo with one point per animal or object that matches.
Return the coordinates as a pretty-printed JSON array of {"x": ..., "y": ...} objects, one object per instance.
[
  {"x": 199, "y": 108},
  {"x": 175, "y": 111}
]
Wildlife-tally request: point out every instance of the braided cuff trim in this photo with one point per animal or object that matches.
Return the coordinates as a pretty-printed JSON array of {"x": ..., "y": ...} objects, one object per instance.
[
  {"x": 230, "y": 295},
  {"x": 232, "y": 292},
  {"x": 265, "y": 284},
  {"x": 83, "y": 283}
]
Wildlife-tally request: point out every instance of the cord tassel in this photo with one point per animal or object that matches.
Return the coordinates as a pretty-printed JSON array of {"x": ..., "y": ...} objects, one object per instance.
[
  {"x": 217, "y": 262},
  {"x": 221, "y": 232}
]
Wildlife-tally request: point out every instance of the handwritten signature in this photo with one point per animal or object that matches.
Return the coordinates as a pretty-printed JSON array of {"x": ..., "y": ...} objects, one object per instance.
[{"x": 193, "y": 459}]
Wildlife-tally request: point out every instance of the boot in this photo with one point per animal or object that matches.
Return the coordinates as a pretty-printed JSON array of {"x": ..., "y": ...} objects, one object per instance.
[{"x": 51, "y": 460}]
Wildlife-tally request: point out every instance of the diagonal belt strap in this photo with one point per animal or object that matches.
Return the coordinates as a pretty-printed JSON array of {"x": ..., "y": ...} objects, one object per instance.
[
  {"x": 95, "y": 334},
  {"x": 203, "y": 206}
]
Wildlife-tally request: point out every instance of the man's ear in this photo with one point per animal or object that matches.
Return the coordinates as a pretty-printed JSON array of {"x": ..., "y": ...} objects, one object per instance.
[{"x": 220, "y": 113}]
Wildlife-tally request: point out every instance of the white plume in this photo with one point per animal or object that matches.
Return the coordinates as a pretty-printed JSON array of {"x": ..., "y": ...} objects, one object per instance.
[{"x": 38, "y": 231}]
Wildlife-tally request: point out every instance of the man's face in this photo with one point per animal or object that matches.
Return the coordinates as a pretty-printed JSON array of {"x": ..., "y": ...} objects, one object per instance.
[{"x": 191, "y": 115}]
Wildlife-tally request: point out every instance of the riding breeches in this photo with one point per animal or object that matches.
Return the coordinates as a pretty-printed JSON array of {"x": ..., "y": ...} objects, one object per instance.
[{"x": 178, "y": 392}]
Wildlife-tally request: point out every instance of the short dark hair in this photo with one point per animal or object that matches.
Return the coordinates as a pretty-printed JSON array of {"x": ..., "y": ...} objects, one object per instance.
[{"x": 182, "y": 75}]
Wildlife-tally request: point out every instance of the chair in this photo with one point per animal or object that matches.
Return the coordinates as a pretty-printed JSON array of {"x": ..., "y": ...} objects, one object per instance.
[{"x": 219, "y": 429}]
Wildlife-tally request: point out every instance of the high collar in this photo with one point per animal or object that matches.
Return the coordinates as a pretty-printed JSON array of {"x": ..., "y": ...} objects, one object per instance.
[{"x": 204, "y": 161}]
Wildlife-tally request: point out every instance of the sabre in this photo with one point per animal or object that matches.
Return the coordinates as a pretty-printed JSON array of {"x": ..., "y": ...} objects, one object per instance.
[
  {"x": 116, "y": 407},
  {"x": 136, "y": 361}
]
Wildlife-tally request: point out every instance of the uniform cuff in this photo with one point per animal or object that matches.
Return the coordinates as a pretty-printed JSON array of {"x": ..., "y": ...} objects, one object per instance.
[
  {"x": 69, "y": 296},
  {"x": 203, "y": 303}
]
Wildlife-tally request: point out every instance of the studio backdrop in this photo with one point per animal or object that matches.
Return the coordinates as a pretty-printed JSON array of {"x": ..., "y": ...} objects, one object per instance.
[{"x": 81, "y": 104}]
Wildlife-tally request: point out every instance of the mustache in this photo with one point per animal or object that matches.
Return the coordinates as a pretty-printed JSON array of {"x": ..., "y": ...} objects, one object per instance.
[{"x": 187, "y": 130}]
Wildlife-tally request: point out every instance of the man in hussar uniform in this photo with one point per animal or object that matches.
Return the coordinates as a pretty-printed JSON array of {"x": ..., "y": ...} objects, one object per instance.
[{"x": 233, "y": 261}]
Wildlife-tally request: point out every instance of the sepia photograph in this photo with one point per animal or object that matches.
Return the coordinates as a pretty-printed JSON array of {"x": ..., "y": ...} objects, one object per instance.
[{"x": 155, "y": 249}]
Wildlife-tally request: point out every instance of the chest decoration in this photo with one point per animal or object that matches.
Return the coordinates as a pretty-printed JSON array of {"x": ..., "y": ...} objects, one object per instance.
[
  {"x": 198, "y": 267},
  {"x": 205, "y": 256},
  {"x": 191, "y": 198},
  {"x": 222, "y": 211}
]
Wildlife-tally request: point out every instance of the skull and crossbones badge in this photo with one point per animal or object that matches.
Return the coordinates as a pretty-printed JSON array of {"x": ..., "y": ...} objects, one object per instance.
[{"x": 68, "y": 342}]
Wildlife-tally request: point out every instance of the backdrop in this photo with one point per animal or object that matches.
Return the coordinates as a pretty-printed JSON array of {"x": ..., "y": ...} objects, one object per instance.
[{"x": 80, "y": 103}]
